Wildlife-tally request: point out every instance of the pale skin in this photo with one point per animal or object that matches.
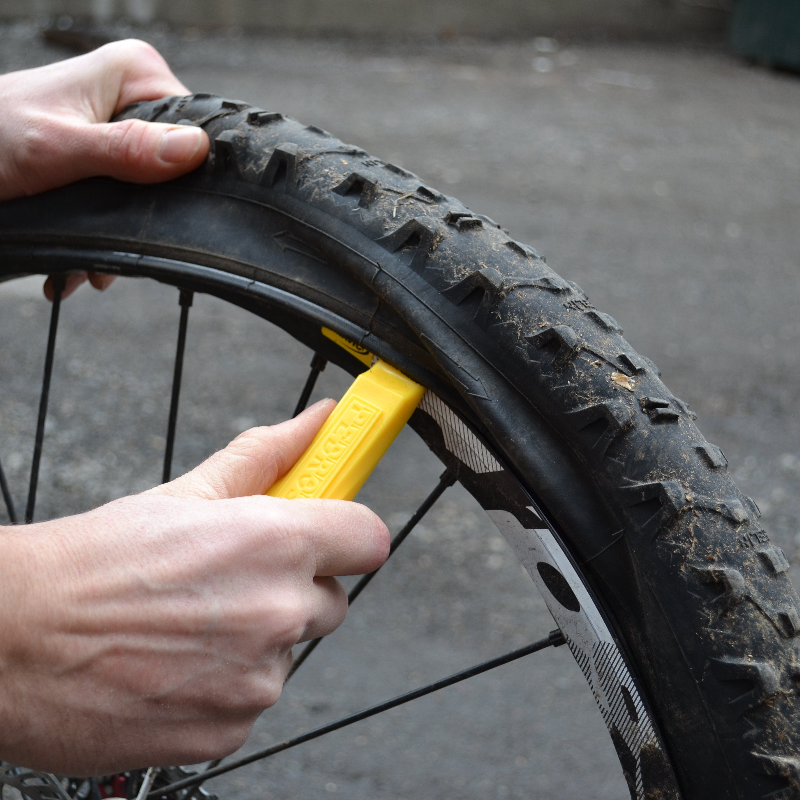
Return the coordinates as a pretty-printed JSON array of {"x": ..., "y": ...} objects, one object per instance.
[
  {"x": 54, "y": 128},
  {"x": 155, "y": 629}
]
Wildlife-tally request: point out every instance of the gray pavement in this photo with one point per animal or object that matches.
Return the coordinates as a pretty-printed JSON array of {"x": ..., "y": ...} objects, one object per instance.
[{"x": 664, "y": 180}]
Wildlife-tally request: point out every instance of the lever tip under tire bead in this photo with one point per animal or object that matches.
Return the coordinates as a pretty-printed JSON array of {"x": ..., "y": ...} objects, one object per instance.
[{"x": 354, "y": 438}]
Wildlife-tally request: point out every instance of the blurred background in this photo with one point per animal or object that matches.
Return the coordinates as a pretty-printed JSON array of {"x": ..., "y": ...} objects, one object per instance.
[
  {"x": 410, "y": 17},
  {"x": 649, "y": 148}
]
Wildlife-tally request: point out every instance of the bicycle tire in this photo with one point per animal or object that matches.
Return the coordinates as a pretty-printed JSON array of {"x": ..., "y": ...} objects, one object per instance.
[{"x": 697, "y": 679}]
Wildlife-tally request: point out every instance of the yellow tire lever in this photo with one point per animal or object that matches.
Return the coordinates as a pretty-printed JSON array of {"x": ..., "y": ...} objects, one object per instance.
[{"x": 356, "y": 435}]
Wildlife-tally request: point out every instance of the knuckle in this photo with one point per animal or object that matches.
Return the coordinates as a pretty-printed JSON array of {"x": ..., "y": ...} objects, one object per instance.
[
  {"x": 132, "y": 51},
  {"x": 253, "y": 447},
  {"x": 269, "y": 693},
  {"x": 125, "y": 143},
  {"x": 34, "y": 147},
  {"x": 254, "y": 436},
  {"x": 288, "y": 620},
  {"x": 220, "y": 739},
  {"x": 236, "y": 736},
  {"x": 259, "y": 690},
  {"x": 294, "y": 626},
  {"x": 125, "y": 138},
  {"x": 295, "y": 539},
  {"x": 338, "y": 602}
]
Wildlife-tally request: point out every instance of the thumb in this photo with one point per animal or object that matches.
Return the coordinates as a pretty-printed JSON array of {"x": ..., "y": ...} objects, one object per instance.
[
  {"x": 144, "y": 152},
  {"x": 253, "y": 461}
]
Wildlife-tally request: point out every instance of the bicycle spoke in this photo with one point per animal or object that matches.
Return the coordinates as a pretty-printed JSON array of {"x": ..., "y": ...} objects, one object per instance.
[
  {"x": 446, "y": 480},
  {"x": 9, "y": 501},
  {"x": 185, "y": 301},
  {"x": 147, "y": 782},
  {"x": 58, "y": 288},
  {"x": 553, "y": 639},
  {"x": 55, "y": 783},
  {"x": 318, "y": 363}
]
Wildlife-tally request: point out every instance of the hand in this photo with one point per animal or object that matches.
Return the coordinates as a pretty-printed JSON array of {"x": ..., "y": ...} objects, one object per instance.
[
  {"x": 156, "y": 628},
  {"x": 55, "y": 130}
]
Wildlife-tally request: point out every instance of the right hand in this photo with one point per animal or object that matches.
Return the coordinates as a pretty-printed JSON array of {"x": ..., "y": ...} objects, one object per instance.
[{"x": 155, "y": 629}]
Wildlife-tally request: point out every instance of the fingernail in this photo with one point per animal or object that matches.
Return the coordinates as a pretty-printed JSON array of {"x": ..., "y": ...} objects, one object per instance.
[
  {"x": 179, "y": 144},
  {"x": 319, "y": 403}
]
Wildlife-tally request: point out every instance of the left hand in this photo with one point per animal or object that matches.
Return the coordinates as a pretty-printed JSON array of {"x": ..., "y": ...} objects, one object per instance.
[{"x": 54, "y": 127}]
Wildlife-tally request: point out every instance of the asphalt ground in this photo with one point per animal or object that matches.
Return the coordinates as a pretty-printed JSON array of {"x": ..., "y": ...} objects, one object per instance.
[{"x": 663, "y": 180}]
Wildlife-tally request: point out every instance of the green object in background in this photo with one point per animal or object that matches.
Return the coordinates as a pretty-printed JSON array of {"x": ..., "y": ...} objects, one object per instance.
[{"x": 768, "y": 31}]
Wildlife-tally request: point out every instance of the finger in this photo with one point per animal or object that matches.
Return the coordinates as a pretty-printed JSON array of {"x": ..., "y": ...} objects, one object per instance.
[
  {"x": 341, "y": 537},
  {"x": 152, "y": 82},
  {"x": 133, "y": 71},
  {"x": 100, "y": 281},
  {"x": 327, "y": 608},
  {"x": 253, "y": 461},
  {"x": 131, "y": 150},
  {"x": 71, "y": 283},
  {"x": 137, "y": 151}
]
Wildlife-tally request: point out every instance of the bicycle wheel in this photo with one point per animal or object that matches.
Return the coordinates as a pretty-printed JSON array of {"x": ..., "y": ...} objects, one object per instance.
[{"x": 653, "y": 565}]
